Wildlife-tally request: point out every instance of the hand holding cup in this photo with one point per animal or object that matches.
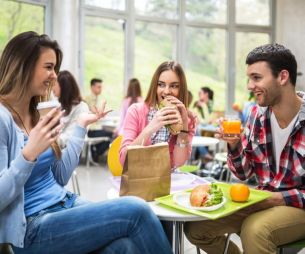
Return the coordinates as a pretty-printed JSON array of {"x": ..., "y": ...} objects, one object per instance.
[
  {"x": 230, "y": 130},
  {"x": 43, "y": 134}
]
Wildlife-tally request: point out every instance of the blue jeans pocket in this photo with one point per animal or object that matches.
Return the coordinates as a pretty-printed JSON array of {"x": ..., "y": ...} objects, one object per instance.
[
  {"x": 34, "y": 221},
  {"x": 32, "y": 227}
]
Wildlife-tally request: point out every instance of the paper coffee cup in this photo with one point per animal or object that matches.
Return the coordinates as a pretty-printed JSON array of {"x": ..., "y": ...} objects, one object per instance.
[{"x": 45, "y": 106}]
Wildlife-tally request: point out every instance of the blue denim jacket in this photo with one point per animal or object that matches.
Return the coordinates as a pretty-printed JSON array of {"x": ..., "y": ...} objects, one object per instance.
[{"x": 15, "y": 170}]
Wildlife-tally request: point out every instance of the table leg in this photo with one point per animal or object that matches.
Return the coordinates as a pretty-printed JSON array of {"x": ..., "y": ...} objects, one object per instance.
[{"x": 178, "y": 241}]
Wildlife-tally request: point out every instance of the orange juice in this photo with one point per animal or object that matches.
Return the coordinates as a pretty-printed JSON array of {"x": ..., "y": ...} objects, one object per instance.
[{"x": 231, "y": 128}]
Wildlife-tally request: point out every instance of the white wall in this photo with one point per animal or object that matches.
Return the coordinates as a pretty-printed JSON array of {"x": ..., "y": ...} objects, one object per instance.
[{"x": 290, "y": 31}]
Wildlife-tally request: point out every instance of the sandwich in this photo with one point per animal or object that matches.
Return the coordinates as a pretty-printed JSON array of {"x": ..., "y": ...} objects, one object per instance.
[
  {"x": 206, "y": 195},
  {"x": 199, "y": 195},
  {"x": 175, "y": 128}
]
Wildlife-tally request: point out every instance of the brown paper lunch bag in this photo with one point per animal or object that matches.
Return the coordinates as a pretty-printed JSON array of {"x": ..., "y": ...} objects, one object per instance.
[{"x": 146, "y": 172}]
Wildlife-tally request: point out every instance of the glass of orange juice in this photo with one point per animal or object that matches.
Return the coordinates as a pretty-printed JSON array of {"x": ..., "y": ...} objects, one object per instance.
[{"x": 231, "y": 127}]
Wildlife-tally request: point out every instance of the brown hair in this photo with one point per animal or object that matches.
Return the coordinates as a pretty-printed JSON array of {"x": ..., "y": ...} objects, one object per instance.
[
  {"x": 151, "y": 98},
  {"x": 278, "y": 58},
  {"x": 133, "y": 90},
  {"x": 17, "y": 65},
  {"x": 70, "y": 94}
]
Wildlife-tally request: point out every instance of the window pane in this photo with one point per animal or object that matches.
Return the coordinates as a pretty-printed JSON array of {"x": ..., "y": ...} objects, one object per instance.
[
  {"x": 205, "y": 62},
  {"x": 104, "y": 57},
  {"x": 154, "y": 44},
  {"x": 108, "y": 4},
  {"x": 157, "y": 8},
  {"x": 19, "y": 17},
  {"x": 214, "y": 11},
  {"x": 253, "y": 12},
  {"x": 245, "y": 42}
]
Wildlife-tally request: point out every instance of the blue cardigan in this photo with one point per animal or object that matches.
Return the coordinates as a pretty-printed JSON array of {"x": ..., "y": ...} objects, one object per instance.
[{"x": 15, "y": 170}]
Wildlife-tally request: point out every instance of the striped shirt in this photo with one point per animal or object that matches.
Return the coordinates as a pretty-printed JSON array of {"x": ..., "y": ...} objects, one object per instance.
[{"x": 255, "y": 155}]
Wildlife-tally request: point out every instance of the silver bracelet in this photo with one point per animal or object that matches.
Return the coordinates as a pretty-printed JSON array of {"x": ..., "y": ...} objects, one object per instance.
[{"x": 182, "y": 145}]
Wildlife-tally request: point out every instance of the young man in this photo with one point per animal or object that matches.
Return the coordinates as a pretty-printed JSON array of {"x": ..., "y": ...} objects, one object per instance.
[
  {"x": 96, "y": 89},
  {"x": 96, "y": 129},
  {"x": 273, "y": 148}
]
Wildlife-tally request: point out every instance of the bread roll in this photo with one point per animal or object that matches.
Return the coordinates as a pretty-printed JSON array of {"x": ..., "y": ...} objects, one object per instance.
[{"x": 199, "y": 195}]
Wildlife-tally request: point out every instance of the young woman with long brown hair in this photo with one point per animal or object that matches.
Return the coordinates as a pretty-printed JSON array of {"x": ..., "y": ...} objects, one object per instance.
[{"x": 37, "y": 214}]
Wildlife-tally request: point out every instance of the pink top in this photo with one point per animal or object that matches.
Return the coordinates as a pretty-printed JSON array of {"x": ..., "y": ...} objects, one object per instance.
[
  {"x": 136, "y": 121},
  {"x": 123, "y": 111}
]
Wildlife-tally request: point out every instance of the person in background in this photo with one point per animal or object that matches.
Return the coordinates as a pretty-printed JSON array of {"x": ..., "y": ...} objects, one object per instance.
[
  {"x": 272, "y": 148},
  {"x": 37, "y": 214},
  {"x": 96, "y": 130},
  {"x": 145, "y": 124},
  {"x": 204, "y": 105},
  {"x": 96, "y": 87},
  {"x": 244, "y": 113},
  {"x": 67, "y": 91},
  {"x": 133, "y": 95}
]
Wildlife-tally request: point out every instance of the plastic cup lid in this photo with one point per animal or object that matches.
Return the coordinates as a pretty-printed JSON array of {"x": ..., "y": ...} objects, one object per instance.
[{"x": 47, "y": 104}]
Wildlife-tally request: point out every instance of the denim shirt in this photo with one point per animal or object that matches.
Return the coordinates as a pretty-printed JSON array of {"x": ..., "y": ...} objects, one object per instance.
[{"x": 15, "y": 171}]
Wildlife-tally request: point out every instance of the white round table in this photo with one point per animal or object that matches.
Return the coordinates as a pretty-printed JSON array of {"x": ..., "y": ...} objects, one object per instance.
[
  {"x": 199, "y": 141},
  {"x": 168, "y": 214},
  {"x": 204, "y": 141}
]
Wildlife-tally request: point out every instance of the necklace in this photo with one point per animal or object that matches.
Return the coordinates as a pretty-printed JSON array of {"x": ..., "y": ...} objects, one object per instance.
[{"x": 16, "y": 114}]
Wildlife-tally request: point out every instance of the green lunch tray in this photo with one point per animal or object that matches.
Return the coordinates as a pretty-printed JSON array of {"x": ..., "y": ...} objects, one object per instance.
[{"x": 228, "y": 208}]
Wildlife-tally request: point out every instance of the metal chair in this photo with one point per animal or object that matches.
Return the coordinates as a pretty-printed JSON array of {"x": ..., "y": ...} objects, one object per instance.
[
  {"x": 75, "y": 184},
  {"x": 296, "y": 244},
  {"x": 87, "y": 147},
  {"x": 225, "y": 248},
  {"x": 222, "y": 159}
]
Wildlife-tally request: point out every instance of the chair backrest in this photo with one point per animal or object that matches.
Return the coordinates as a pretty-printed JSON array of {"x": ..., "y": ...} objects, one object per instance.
[
  {"x": 113, "y": 159},
  {"x": 5, "y": 248}
]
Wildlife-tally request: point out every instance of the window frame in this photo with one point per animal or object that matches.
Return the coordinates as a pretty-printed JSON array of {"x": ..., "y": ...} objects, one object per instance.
[
  {"x": 130, "y": 17},
  {"x": 47, "y": 12}
]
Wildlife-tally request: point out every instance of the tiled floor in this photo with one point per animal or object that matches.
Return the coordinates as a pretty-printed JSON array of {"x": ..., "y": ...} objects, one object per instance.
[{"x": 95, "y": 182}]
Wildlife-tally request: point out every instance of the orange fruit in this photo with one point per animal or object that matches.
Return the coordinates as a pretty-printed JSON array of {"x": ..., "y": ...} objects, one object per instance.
[
  {"x": 239, "y": 192},
  {"x": 235, "y": 106}
]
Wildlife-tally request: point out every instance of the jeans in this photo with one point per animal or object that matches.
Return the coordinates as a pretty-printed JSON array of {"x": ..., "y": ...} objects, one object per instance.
[{"x": 124, "y": 225}]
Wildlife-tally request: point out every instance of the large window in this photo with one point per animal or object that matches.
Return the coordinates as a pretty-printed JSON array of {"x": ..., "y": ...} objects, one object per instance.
[
  {"x": 17, "y": 17},
  {"x": 205, "y": 65},
  {"x": 104, "y": 57},
  {"x": 209, "y": 38},
  {"x": 253, "y": 12},
  {"x": 245, "y": 42},
  {"x": 154, "y": 44},
  {"x": 108, "y": 4},
  {"x": 213, "y": 11},
  {"x": 157, "y": 8}
]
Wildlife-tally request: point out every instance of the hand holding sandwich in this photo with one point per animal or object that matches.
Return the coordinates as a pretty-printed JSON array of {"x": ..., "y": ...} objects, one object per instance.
[
  {"x": 182, "y": 110},
  {"x": 167, "y": 115}
]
